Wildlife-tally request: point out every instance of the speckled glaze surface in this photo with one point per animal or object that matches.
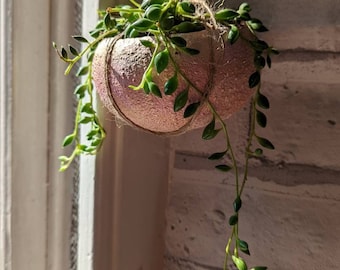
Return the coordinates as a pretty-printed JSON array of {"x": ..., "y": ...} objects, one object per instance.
[{"x": 221, "y": 70}]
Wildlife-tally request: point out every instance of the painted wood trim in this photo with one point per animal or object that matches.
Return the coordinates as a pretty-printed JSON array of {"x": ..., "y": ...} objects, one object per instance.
[
  {"x": 60, "y": 123},
  {"x": 34, "y": 197},
  {"x": 87, "y": 169},
  {"x": 5, "y": 134},
  {"x": 29, "y": 147},
  {"x": 131, "y": 197}
]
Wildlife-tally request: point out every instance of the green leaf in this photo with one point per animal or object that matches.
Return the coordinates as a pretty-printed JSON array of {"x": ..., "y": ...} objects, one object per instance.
[
  {"x": 80, "y": 90},
  {"x": 244, "y": 7},
  {"x": 258, "y": 152},
  {"x": 181, "y": 100},
  {"x": 209, "y": 130},
  {"x": 83, "y": 147},
  {"x": 142, "y": 24},
  {"x": 126, "y": 13},
  {"x": 131, "y": 32},
  {"x": 153, "y": 12},
  {"x": 91, "y": 134},
  {"x": 269, "y": 61},
  {"x": 147, "y": 43},
  {"x": 80, "y": 39},
  {"x": 63, "y": 158},
  {"x": 96, "y": 142},
  {"x": 259, "y": 45},
  {"x": 87, "y": 108},
  {"x": 254, "y": 79},
  {"x": 212, "y": 135},
  {"x": 179, "y": 41},
  {"x": 95, "y": 33},
  {"x": 64, "y": 52},
  {"x": 166, "y": 22},
  {"x": 187, "y": 7},
  {"x": 244, "y": 16},
  {"x": 90, "y": 56},
  {"x": 274, "y": 51},
  {"x": 188, "y": 27},
  {"x": 190, "y": 51},
  {"x": 239, "y": 263},
  {"x": 223, "y": 168},
  {"x": 86, "y": 120},
  {"x": 233, "y": 34},
  {"x": 259, "y": 268},
  {"x": 259, "y": 61},
  {"x": 210, "y": 127},
  {"x": 154, "y": 89},
  {"x": 265, "y": 143},
  {"x": 146, "y": 88},
  {"x": 73, "y": 50},
  {"x": 191, "y": 109},
  {"x": 262, "y": 101},
  {"x": 237, "y": 204},
  {"x": 261, "y": 119},
  {"x": 257, "y": 25},
  {"x": 100, "y": 24},
  {"x": 148, "y": 75},
  {"x": 161, "y": 60},
  {"x": 171, "y": 85},
  {"x": 226, "y": 14},
  {"x": 233, "y": 220},
  {"x": 68, "y": 140},
  {"x": 109, "y": 22},
  {"x": 82, "y": 71},
  {"x": 63, "y": 167},
  {"x": 243, "y": 245},
  {"x": 217, "y": 156},
  {"x": 147, "y": 3}
]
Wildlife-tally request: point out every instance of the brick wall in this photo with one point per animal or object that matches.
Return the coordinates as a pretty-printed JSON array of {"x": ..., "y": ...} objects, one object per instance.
[{"x": 291, "y": 212}]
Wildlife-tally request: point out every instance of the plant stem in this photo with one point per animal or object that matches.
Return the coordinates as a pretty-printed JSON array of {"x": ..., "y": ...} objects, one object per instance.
[
  {"x": 229, "y": 146},
  {"x": 135, "y": 3},
  {"x": 75, "y": 133},
  {"x": 128, "y": 10},
  {"x": 89, "y": 46},
  {"x": 227, "y": 253},
  {"x": 148, "y": 69},
  {"x": 95, "y": 122},
  {"x": 248, "y": 152}
]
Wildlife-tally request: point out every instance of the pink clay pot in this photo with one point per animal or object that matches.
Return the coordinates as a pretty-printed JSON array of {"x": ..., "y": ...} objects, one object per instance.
[{"x": 221, "y": 71}]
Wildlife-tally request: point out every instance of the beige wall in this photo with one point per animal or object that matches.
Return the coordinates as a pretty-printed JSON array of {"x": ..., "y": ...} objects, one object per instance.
[{"x": 291, "y": 214}]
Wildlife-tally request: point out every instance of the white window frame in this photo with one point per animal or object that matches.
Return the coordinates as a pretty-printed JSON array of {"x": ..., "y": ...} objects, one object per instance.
[
  {"x": 5, "y": 134},
  {"x": 35, "y": 109},
  {"x": 87, "y": 169}
]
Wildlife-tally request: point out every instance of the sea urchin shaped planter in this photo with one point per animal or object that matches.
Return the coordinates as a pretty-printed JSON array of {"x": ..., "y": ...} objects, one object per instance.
[{"x": 220, "y": 72}]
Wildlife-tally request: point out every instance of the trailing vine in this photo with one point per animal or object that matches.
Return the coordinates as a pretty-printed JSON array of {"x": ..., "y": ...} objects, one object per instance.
[{"x": 165, "y": 20}]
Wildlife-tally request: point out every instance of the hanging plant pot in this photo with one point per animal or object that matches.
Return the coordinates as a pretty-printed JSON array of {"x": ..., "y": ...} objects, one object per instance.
[
  {"x": 220, "y": 72},
  {"x": 169, "y": 66}
]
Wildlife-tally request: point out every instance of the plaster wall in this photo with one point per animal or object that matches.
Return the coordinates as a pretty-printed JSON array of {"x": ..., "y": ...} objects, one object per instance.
[{"x": 291, "y": 212}]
